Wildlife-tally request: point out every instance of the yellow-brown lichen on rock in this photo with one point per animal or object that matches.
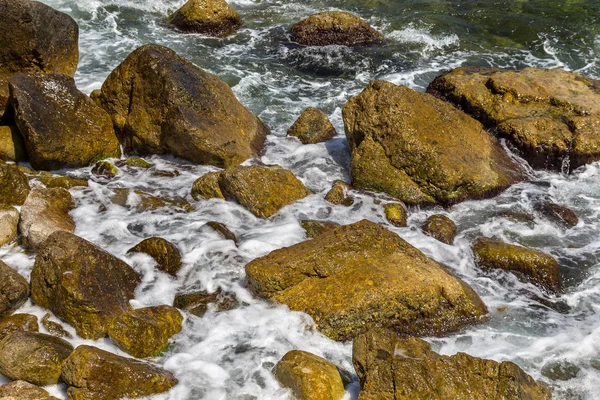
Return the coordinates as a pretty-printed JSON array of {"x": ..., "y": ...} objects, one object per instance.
[
  {"x": 404, "y": 368},
  {"x": 21, "y": 390},
  {"x": 312, "y": 126},
  {"x": 14, "y": 290},
  {"x": 165, "y": 253},
  {"x": 338, "y": 194},
  {"x": 105, "y": 169},
  {"x": 309, "y": 377},
  {"x": 18, "y": 322},
  {"x": 14, "y": 186},
  {"x": 396, "y": 214},
  {"x": 315, "y": 228},
  {"x": 65, "y": 182},
  {"x": 440, "y": 227},
  {"x": 535, "y": 266},
  {"x": 334, "y": 27},
  {"x": 208, "y": 17},
  {"x": 362, "y": 275},
  {"x": 12, "y": 147},
  {"x": 421, "y": 149},
  {"x": 207, "y": 186},
  {"x": 551, "y": 116}
]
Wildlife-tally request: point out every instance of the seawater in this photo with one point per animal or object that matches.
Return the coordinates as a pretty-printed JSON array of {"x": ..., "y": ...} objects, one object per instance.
[{"x": 230, "y": 355}]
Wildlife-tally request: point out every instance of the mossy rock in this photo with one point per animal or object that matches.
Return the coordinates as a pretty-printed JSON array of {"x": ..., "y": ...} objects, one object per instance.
[
  {"x": 81, "y": 283},
  {"x": 309, "y": 377},
  {"x": 61, "y": 126},
  {"x": 21, "y": 390},
  {"x": 165, "y": 253},
  {"x": 315, "y": 228},
  {"x": 334, "y": 27},
  {"x": 440, "y": 227},
  {"x": 396, "y": 214},
  {"x": 12, "y": 147},
  {"x": 535, "y": 266},
  {"x": 9, "y": 221},
  {"x": 207, "y": 186},
  {"x": 551, "y": 116},
  {"x": 198, "y": 303},
  {"x": 18, "y": 322},
  {"x": 208, "y": 17},
  {"x": 422, "y": 150},
  {"x": 338, "y": 194},
  {"x": 363, "y": 275},
  {"x": 560, "y": 215},
  {"x": 179, "y": 109},
  {"x": 400, "y": 368},
  {"x": 105, "y": 169},
  {"x": 137, "y": 162},
  {"x": 54, "y": 328},
  {"x": 14, "y": 186},
  {"x": 263, "y": 190},
  {"x": 33, "y": 357},
  {"x": 92, "y": 373},
  {"x": 65, "y": 182},
  {"x": 313, "y": 126},
  {"x": 223, "y": 230},
  {"x": 145, "y": 332},
  {"x": 14, "y": 290},
  {"x": 141, "y": 201}
]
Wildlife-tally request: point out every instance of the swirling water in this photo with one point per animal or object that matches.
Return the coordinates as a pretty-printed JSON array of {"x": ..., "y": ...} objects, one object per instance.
[{"x": 229, "y": 355}]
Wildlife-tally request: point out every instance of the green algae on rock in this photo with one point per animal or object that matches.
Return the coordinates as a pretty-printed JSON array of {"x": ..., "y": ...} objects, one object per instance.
[
  {"x": 362, "y": 275},
  {"x": 309, "y": 377},
  {"x": 14, "y": 290},
  {"x": 312, "y": 126},
  {"x": 81, "y": 283},
  {"x": 440, "y": 227},
  {"x": 165, "y": 253},
  {"x": 421, "y": 149},
  {"x": 14, "y": 186},
  {"x": 334, "y": 27},
  {"x": 404, "y": 368},
  {"x": 208, "y": 17}
]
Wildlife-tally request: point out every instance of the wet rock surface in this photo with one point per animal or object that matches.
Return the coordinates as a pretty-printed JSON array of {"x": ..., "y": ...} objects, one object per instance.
[
  {"x": 9, "y": 221},
  {"x": 198, "y": 303},
  {"x": 209, "y": 17},
  {"x": 558, "y": 214},
  {"x": 21, "y": 390},
  {"x": 338, "y": 194},
  {"x": 14, "y": 186},
  {"x": 165, "y": 253},
  {"x": 334, "y": 27},
  {"x": 207, "y": 186},
  {"x": 223, "y": 230},
  {"x": 312, "y": 126},
  {"x": 441, "y": 228},
  {"x": 315, "y": 228},
  {"x": 396, "y": 214},
  {"x": 14, "y": 290},
  {"x": 18, "y": 322}
]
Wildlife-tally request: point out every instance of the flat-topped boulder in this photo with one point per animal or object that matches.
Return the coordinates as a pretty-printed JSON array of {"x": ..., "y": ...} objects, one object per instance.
[
  {"x": 334, "y": 27},
  {"x": 362, "y": 275},
  {"x": 208, "y": 17},
  {"x": 551, "y": 116},
  {"x": 61, "y": 126},
  {"x": 421, "y": 149},
  {"x": 161, "y": 103}
]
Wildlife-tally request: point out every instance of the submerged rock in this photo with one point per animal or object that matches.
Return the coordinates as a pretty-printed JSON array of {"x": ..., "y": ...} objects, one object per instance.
[
  {"x": 551, "y": 116},
  {"x": 538, "y": 267},
  {"x": 105, "y": 169},
  {"x": 561, "y": 370},
  {"x": 44, "y": 212},
  {"x": 315, "y": 228},
  {"x": 338, "y": 194},
  {"x": 396, "y": 214},
  {"x": 145, "y": 332},
  {"x": 401, "y": 368},
  {"x": 207, "y": 186},
  {"x": 12, "y": 147},
  {"x": 208, "y": 17},
  {"x": 309, "y": 377},
  {"x": 362, "y": 275},
  {"x": 81, "y": 284},
  {"x": 141, "y": 201},
  {"x": 441, "y": 228},
  {"x": 21, "y": 390},
  {"x": 223, "y": 230},
  {"x": 334, "y": 27},
  {"x": 198, "y": 303},
  {"x": 65, "y": 182},
  {"x": 33, "y": 357},
  {"x": 558, "y": 214},
  {"x": 165, "y": 253},
  {"x": 161, "y": 103},
  {"x": 9, "y": 221},
  {"x": 14, "y": 290},
  {"x": 18, "y": 322},
  {"x": 92, "y": 373},
  {"x": 422, "y": 150},
  {"x": 61, "y": 126},
  {"x": 312, "y": 126},
  {"x": 14, "y": 186}
]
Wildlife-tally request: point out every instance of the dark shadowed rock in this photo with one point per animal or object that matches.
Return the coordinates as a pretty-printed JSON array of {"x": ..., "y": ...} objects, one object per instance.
[
  {"x": 538, "y": 267},
  {"x": 9, "y": 221},
  {"x": 93, "y": 374},
  {"x": 81, "y": 284},
  {"x": 161, "y": 103},
  {"x": 18, "y": 322},
  {"x": 208, "y": 17},
  {"x": 198, "y": 303},
  {"x": 312, "y": 126},
  {"x": 396, "y": 214},
  {"x": 14, "y": 290},
  {"x": 315, "y": 228},
  {"x": 440, "y": 227},
  {"x": 560, "y": 370},
  {"x": 334, "y": 27},
  {"x": 165, "y": 253},
  {"x": 362, "y": 275},
  {"x": 309, "y": 377},
  {"x": 422, "y": 150},
  {"x": 14, "y": 186},
  {"x": 338, "y": 194},
  {"x": 223, "y": 230},
  {"x": 558, "y": 214},
  {"x": 33, "y": 357},
  {"x": 61, "y": 126},
  {"x": 401, "y": 368},
  {"x": 21, "y": 390}
]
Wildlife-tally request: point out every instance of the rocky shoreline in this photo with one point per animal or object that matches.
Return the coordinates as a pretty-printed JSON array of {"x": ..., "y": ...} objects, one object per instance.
[{"x": 358, "y": 282}]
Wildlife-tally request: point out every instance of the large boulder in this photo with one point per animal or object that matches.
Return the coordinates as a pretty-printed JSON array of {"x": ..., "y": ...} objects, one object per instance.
[
  {"x": 162, "y": 103},
  {"x": 33, "y": 357},
  {"x": 41, "y": 40},
  {"x": 14, "y": 186},
  {"x": 551, "y": 116},
  {"x": 334, "y": 27},
  {"x": 312, "y": 126},
  {"x": 61, "y": 126},
  {"x": 208, "y": 17},
  {"x": 14, "y": 290},
  {"x": 362, "y": 275},
  {"x": 21, "y": 390},
  {"x": 533, "y": 265},
  {"x": 92, "y": 373},
  {"x": 165, "y": 253},
  {"x": 402, "y": 368},
  {"x": 422, "y": 150},
  {"x": 145, "y": 332},
  {"x": 44, "y": 212},
  {"x": 9, "y": 221},
  {"x": 82, "y": 284},
  {"x": 309, "y": 377}
]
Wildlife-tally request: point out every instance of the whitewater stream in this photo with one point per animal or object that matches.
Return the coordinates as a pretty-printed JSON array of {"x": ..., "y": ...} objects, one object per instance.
[{"x": 230, "y": 355}]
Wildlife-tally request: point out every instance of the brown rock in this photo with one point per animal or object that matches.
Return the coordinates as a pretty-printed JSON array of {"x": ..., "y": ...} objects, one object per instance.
[
  {"x": 396, "y": 214},
  {"x": 14, "y": 290},
  {"x": 12, "y": 147},
  {"x": 209, "y": 17},
  {"x": 81, "y": 284},
  {"x": 65, "y": 182},
  {"x": 14, "y": 186},
  {"x": 105, "y": 169},
  {"x": 198, "y": 303},
  {"x": 441, "y": 228},
  {"x": 141, "y": 201},
  {"x": 21, "y": 390},
  {"x": 558, "y": 214},
  {"x": 309, "y": 377},
  {"x": 54, "y": 328},
  {"x": 18, "y": 322},
  {"x": 312, "y": 126},
  {"x": 334, "y": 27},
  {"x": 338, "y": 194},
  {"x": 315, "y": 228},
  {"x": 165, "y": 253},
  {"x": 223, "y": 230},
  {"x": 538, "y": 267},
  {"x": 177, "y": 108},
  {"x": 207, "y": 186},
  {"x": 9, "y": 221}
]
